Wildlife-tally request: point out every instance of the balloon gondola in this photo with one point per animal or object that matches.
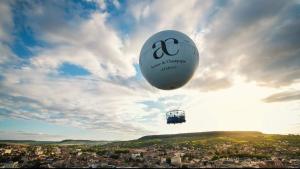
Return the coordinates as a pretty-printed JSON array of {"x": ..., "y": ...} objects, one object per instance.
[{"x": 175, "y": 116}]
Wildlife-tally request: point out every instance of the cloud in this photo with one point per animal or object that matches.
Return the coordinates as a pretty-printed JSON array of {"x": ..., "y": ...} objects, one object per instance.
[
  {"x": 107, "y": 99},
  {"x": 283, "y": 97},
  {"x": 257, "y": 40},
  {"x": 90, "y": 43},
  {"x": 116, "y": 3},
  {"x": 103, "y": 101},
  {"x": 6, "y": 27},
  {"x": 84, "y": 104},
  {"x": 210, "y": 83},
  {"x": 6, "y": 21}
]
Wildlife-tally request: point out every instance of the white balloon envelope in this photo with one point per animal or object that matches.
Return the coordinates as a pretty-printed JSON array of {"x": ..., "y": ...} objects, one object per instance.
[{"x": 168, "y": 59}]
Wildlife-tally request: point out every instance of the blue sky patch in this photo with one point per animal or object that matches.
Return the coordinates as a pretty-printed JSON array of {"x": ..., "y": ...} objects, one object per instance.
[
  {"x": 24, "y": 35},
  {"x": 1, "y": 78},
  {"x": 138, "y": 74},
  {"x": 68, "y": 69},
  {"x": 124, "y": 25}
]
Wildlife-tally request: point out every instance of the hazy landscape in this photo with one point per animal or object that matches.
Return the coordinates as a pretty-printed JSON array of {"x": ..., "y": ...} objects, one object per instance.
[{"x": 204, "y": 149}]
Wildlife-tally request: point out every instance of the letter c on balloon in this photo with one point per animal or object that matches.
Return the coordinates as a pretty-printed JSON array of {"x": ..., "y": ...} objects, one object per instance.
[{"x": 163, "y": 46}]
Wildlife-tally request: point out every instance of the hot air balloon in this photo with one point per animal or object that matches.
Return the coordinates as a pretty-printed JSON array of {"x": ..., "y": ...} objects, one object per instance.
[{"x": 168, "y": 60}]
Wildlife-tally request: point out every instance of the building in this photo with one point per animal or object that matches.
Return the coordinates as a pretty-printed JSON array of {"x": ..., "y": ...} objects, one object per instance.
[
  {"x": 135, "y": 156},
  {"x": 39, "y": 151},
  {"x": 163, "y": 160},
  {"x": 57, "y": 151},
  {"x": 8, "y": 151},
  {"x": 176, "y": 161}
]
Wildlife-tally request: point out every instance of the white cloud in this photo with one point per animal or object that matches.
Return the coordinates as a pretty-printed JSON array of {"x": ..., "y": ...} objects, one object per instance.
[
  {"x": 283, "y": 96},
  {"x": 6, "y": 22},
  {"x": 6, "y": 27},
  {"x": 92, "y": 44},
  {"x": 255, "y": 41},
  {"x": 82, "y": 103},
  {"x": 36, "y": 91},
  {"x": 116, "y": 3}
]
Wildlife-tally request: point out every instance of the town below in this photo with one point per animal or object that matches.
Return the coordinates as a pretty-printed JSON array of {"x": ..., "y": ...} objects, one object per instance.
[{"x": 232, "y": 149}]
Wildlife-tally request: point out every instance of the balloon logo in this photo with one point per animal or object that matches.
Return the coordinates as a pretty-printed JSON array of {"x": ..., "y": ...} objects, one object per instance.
[
  {"x": 168, "y": 59},
  {"x": 164, "y": 48}
]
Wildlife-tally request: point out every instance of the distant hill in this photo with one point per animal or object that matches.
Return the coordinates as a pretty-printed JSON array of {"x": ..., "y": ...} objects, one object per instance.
[
  {"x": 30, "y": 142},
  {"x": 83, "y": 142},
  {"x": 206, "y": 138},
  {"x": 176, "y": 139},
  {"x": 203, "y": 134},
  {"x": 64, "y": 142}
]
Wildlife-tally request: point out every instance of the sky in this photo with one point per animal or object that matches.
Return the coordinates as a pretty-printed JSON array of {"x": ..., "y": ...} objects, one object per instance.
[{"x": 70, "y": 70}]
